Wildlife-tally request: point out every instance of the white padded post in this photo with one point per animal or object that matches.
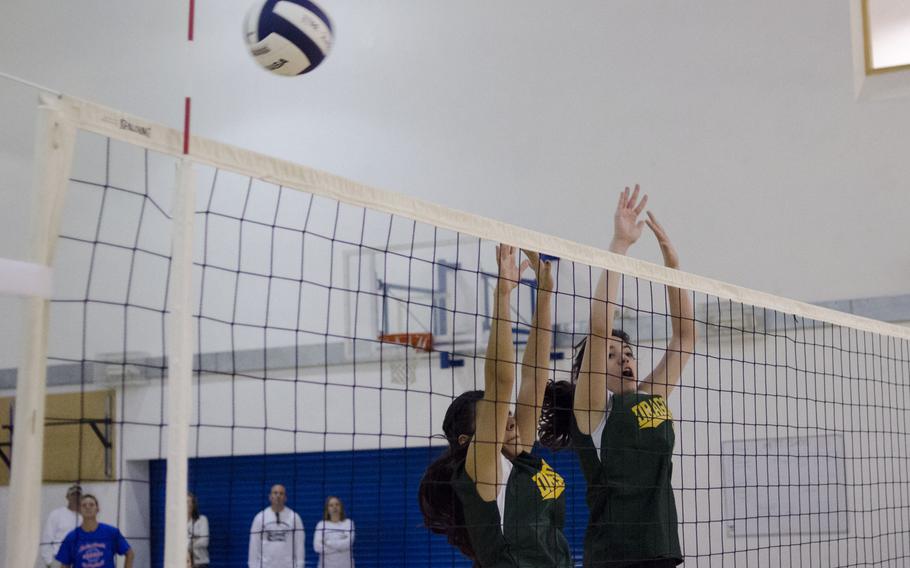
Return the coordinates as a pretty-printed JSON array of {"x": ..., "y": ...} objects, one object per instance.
[
  {"x": 18, "y": 278},
  {"x": 181, "y": 340},
  {"x": 53, "y": 157}
]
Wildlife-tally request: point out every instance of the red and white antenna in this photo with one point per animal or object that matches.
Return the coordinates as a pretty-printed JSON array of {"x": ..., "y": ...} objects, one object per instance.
[{"x": 187, "y": 103}]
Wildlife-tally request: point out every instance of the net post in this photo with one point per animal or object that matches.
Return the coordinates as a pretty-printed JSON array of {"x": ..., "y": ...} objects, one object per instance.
[
  {"x": 54, "y": 142},
  {"x": 180, "y": 367}
]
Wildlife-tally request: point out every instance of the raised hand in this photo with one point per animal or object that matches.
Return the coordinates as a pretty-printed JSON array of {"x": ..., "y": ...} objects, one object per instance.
[
  {"x": 542, "y": 270},
  {"x": 671, "y": 258},
  {"x": 509, "y": 271},
  {"x": 626, "y": 226}
]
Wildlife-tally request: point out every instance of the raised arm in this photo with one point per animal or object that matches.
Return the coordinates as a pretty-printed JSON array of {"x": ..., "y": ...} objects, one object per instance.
[
  {"x": 591, "y": 389},
  {"x": 665, "y": 376},
  {"x": 492, "y": 411},
  {"x": 535, "y": 369}
]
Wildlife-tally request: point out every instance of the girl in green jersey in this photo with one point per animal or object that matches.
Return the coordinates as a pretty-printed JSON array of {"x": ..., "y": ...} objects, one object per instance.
[
  {"x": 500, "y": 505},
  {"x": 620, "y": 426}
]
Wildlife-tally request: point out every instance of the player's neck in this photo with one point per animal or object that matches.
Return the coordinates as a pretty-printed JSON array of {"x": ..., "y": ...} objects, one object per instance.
[
  {"x": 73, "y": 508},
  {"x": 277, "y": 510},
  {"x": 89, "y": 525}
]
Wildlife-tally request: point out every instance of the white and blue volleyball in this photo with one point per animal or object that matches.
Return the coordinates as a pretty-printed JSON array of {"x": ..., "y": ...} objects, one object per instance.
[{"x": 288, "y": 37}]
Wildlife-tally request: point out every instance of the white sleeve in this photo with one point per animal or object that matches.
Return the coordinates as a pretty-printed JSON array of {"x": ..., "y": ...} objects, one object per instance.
[
  {"x": 255, "y": 556},
  {"x": 317, "y": 538},
  {"x": 200, "y": 533},
  {"x": 343, "y": 544},
  {"x": 47, "y": 540},
  {"x": 299, "y": 541}
]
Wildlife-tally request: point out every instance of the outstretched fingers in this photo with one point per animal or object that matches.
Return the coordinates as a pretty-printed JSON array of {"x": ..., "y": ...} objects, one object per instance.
[
  {"x": 634, "y": 198},
  {"x": 641, "y": 205},
  {"x": 509, "y": 271},
  {"x": 533, "y": 258},
  {"x": 524, "y": 266},
  {"x": 655, "y": 226},
  {"x": 671, "y": 257},
  {"x": 628, "y": 201}
]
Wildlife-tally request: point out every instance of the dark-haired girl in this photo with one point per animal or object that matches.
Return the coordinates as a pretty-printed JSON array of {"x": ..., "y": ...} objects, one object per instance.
[
  {"x": 620, "y": 426},
  {"x": 500, "y": 505}
]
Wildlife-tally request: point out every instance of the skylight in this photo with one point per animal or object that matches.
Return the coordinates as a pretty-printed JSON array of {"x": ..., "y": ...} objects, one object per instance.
[{"x": 886, "y": 26}]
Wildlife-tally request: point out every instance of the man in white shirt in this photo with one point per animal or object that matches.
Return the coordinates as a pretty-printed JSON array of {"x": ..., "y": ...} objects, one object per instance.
[
  {"x": 277, "y": 536},
  {"x": 59, "y": 523}
]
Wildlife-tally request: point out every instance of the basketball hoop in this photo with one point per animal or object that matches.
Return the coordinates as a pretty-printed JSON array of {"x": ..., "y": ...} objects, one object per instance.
[
  {"x": 404, "y": 369},
  {"x": 419, "y": 341}
]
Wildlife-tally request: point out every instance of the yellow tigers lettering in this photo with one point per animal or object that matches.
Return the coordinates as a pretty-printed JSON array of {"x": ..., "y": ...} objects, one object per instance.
[
  {"x": 549, "y": 483},
  {"x": 652, "y": 413}
]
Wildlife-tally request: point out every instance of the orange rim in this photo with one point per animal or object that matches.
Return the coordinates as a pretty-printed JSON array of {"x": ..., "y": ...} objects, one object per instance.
[{"x": 419, "y": 341}]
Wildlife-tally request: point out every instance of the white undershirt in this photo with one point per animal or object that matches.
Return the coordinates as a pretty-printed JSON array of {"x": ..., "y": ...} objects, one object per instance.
[
  {"x": 597, "y": 434},
  {"x": 506, "y": 468}
]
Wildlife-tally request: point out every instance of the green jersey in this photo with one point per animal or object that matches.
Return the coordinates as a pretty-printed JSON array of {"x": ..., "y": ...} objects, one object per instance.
[
  {"x": 632, "y": 508},
  {"x": 530, "y": 534}
]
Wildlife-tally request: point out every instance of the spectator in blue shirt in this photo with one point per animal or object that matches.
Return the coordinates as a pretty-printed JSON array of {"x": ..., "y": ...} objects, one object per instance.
[{"x": 93, "y": 544}]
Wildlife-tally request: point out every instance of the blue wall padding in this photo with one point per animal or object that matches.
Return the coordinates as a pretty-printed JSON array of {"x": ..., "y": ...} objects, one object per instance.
[{"x": 378, "y": 488}]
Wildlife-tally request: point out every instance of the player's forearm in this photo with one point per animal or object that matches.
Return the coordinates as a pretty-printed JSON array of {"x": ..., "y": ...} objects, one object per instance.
[
  {"x": 603, "y": 304},
  {"x": 499, "y": 364},
  {"x": 682, "y": 318},
  {"x": 535, "y": 361}
]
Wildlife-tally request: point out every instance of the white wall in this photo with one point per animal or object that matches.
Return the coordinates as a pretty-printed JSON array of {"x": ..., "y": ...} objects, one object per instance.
[{"x": 739, "y": 118}]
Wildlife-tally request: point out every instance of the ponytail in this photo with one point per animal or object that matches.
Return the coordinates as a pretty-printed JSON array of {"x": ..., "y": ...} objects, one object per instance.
[
  {"x": 555, "y": 427},
  {"x": 442, "y": 510}
]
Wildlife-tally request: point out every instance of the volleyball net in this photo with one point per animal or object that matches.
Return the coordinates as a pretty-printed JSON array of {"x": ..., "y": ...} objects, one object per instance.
[{"x": 222, "y": 322}]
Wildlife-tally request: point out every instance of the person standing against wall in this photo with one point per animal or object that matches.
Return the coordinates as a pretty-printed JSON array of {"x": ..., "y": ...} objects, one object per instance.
[
  {"x": 93, "y": 544},
  {"x": 197, "y": 528},
  {"x": 277, "y": 537},
  {"x": 59, "y": 523},
  {"x": 334, "y": 536}
]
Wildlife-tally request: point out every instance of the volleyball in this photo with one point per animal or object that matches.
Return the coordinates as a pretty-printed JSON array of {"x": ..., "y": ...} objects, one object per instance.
[{"x": 288, "y": 37}]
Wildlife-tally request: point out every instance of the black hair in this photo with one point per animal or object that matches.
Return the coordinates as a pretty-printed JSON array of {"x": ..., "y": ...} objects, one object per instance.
[
  {"x": 442, "y": 509},
  {"x": 555, "y": 427}
]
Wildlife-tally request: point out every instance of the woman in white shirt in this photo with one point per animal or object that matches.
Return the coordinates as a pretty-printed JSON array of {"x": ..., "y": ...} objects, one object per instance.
[
  {"x": 334, "y": 536},
  {"x": 197, "y": 528}
]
